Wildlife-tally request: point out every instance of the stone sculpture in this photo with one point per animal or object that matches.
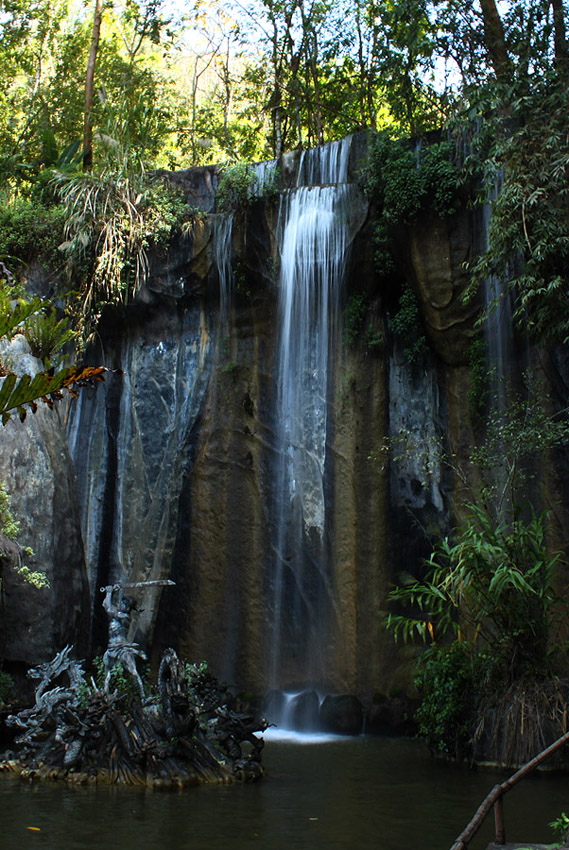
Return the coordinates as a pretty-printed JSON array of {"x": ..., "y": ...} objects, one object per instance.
[{"x": 184, "y": 731}]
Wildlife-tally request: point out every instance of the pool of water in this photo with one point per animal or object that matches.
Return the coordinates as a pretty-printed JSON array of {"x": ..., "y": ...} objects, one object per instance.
[{"x": 326, "y": 794}]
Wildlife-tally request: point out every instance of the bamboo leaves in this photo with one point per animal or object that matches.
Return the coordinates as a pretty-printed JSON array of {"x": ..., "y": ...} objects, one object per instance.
[{"x": 497, "y": 582}]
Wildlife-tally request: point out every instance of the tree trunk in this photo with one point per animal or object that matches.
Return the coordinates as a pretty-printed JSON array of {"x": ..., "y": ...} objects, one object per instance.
[
  {"x": 89, "y": 80},
  {"x": 559, "y": 35},
  {"x": 495, "y": 39},
  {"x": 316, "y": 82}
]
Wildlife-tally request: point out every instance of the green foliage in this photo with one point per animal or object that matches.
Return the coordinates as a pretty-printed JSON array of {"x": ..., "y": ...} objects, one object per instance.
[
  {"x": 404, "y": 183},
  {"x": 355, "y": 325},
  {"x": 525, "y": 159},
  {"x": 514, "y": 437},
  {"x": 241, "y": 281},
  {"x": 120, "y": 681},
  {"x": 200, "y": 681},
  {"x": 479, "y": 388},
  {"x": 447, "y": 680},
  {"x": 235, "y": 187},
  {"x": 36, "y": 578},
  {"x": 498, "y": 582},
  {"x": 373, "y": 339},
  {"x": 354, "y": 316},
  {"x": 231, "y": 369},
  {"x": 560, "y": 827},
  {"x": 15, "y": 313},
  {"x": 111, "y": 221},
  {"x": 406, "y": 324},
  {"x": 47, "y": 336},
  {"x": 9, "y": 527},
  {"x": 31, "y": 230}
]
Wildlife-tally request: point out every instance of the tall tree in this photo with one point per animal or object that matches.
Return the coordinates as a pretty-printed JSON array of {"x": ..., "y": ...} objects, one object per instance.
[
  {"x": 89, "y": 87},
  {"x": 495, "y": 39}
]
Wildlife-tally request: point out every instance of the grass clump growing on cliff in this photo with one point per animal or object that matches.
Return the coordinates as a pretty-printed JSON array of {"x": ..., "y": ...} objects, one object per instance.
[
  {"x": 111, "y": 222},
  {"x": 354, "y": 316},
  {"x": 9, "y": 526}
]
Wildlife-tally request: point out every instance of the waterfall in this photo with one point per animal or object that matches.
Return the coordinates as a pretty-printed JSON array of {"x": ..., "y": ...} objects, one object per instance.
[
  {"x": 325, "y": 165},
  {"x": 499, "y": 324},
  {"x": 313, "y": 236},
  {"x": 222, "y": 246},
  {"x": 503, "y": 375},
  {"x": 266, "y": 174}
]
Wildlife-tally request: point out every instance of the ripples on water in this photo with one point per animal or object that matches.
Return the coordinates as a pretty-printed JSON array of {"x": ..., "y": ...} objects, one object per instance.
[{"x": 329, "y": 794}]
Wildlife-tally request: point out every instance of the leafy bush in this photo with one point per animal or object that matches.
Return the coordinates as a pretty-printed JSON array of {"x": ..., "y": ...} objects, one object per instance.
[
  {"x": 448, "y": 680},
  {"x": 30, "y": 230},
  {"x": 235, "y": 186},
  {"x": 405, "y": 179},
  {"x": 404, "y": 182}
]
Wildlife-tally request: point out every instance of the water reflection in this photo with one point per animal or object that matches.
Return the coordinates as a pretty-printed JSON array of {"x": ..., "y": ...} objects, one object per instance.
[{"x": 339, "y": 795}]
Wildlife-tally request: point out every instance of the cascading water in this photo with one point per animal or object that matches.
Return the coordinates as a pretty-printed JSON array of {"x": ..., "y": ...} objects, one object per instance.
[
  {"x": 499, "y": 338},
  {"x": 325, "y": 165},
  {"x": 313, "y": 240},
  {"x": 222, "y": 239},
  {"x": 499, "y": 324}
]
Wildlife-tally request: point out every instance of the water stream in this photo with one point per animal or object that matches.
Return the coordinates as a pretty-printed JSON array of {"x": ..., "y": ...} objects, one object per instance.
[
  {"x": 313, "y": 235},
  {"x": 364, "y": 793}
]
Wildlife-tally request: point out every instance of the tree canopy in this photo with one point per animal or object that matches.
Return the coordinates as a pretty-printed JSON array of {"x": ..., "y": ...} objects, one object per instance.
[
  {"x": 122, "y": 87},
  {"x": 236, "y": 80}
]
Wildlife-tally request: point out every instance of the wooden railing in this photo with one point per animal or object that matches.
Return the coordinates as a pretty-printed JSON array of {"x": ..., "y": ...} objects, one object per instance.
[{"x": 496, "y": 795}]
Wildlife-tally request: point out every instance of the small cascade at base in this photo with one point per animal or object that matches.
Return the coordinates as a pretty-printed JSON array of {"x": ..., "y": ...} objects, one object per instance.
[{"x": 295, "y": 715}]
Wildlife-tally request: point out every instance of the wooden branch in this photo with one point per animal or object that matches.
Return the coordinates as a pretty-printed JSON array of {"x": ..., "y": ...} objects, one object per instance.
[{"x": 495, "y": 795}]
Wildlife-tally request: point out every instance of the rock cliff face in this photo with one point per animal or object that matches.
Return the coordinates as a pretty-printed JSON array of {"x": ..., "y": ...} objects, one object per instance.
[
  {"x": 240, "y": 449},
  {"x": 177, "y": 460},
  {"x": 36, "y": 469}
]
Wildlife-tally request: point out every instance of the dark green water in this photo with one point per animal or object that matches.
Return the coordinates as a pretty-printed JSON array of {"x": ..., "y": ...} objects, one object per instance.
[{"x": 350, "y": 794}]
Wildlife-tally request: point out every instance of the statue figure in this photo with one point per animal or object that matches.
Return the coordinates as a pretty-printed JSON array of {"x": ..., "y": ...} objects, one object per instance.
[{"x": 120, "y": 649}]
